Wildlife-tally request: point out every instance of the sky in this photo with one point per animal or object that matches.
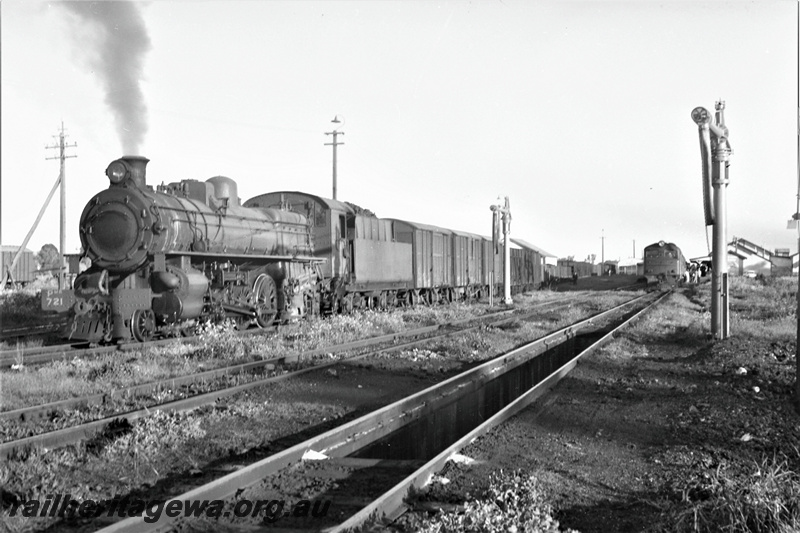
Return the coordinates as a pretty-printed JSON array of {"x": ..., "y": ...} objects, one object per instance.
[{"x": 578, "y": 111}]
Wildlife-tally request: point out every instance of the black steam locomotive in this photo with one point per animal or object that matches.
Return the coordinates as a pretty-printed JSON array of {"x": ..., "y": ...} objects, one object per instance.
[{"x": 164, "y": 259}]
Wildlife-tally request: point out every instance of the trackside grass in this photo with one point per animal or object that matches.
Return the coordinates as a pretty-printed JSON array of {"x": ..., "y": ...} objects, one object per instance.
[{"x": 219, "y": 345}]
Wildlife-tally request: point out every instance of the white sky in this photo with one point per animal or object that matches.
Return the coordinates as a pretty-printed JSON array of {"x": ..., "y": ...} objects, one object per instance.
[{"x": 578, "y": 111}]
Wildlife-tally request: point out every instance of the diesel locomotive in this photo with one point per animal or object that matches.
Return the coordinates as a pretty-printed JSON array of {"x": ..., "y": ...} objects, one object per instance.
[
  {"x": 664, "y": 263},
  {"x": 167, "y": 258}
]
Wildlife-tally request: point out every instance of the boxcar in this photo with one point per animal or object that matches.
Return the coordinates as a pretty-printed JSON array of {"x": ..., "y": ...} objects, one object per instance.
[
  {"x": 432, "y": 255},
  {"x": 374, "y": 261},
  {"x": 467, "y": 262},
  {"x": 523, "y": 270},
  {"x": 24, "y": 271}
]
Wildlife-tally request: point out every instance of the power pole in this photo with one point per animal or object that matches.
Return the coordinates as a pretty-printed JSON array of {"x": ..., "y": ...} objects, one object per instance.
[
  {"x": 62, "y": 146},
  {"x": 335, "y": 132},
  {"x": 602, "y": 252}
]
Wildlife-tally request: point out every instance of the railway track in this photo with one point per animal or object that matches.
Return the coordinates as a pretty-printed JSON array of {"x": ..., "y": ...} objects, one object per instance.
[
  {"x": 415, "y": 408},
  {"x": 7, "y": 334},
  {"x": 184, "y": 389},
  {"x": 365, "y": 468},
  {"x": 38, "y": 355}
]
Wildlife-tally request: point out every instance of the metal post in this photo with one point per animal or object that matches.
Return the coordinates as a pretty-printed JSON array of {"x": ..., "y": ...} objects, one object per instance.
[
  {"x": 505, "y": 211},
  {"x": 721, "y": 155},
  {"x": 725, "y": 326},
  {"x": 797, "y": 223},
  {"x": 715, "y": 154},
  {"x": 717, "y": 259},
  {"x": 507, "y": 254}
]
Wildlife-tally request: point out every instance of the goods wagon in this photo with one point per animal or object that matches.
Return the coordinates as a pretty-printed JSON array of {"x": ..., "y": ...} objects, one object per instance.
[{"x": 24, "y": 271}]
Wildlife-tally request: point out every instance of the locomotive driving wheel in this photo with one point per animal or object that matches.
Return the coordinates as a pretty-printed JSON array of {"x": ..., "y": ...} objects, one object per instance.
[
  {"x": 143, "y": 324},
  {"x": 265, "y": 300}
]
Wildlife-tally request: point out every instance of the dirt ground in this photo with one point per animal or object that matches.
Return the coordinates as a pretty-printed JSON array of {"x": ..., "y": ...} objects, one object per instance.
[{"x": 644, "y": 424}]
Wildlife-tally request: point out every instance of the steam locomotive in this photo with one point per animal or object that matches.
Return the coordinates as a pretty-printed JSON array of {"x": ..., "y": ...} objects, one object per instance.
[{"x": 165, "y": 259}]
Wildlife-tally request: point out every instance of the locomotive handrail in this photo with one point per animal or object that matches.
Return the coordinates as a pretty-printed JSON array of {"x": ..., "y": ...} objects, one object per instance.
[{"x": 234, "y": 216}]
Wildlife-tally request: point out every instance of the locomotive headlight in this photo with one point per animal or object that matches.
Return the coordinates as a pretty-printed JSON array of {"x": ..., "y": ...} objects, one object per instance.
[{"x": 116, "y": 172}]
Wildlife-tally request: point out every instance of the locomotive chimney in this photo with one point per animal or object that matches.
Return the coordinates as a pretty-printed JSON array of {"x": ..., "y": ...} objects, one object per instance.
[{"x": 136, "y": 165}]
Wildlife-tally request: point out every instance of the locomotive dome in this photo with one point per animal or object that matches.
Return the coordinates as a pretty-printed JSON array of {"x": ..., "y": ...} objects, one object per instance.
[{"x": 225, "y": 188}]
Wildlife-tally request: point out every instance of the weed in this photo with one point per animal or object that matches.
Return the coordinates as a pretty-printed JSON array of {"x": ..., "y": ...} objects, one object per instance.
[
  {"x": 513, "y": 502},
  {"x": 766, "y": 499},
  {"x": 19, "y": 307},
  {"x": 151, "y": 437},
  {"x": 220, "y": 341}
]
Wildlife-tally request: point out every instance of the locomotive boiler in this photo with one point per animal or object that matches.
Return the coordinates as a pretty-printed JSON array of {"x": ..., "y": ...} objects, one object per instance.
[{"x": 163, "y": 259}]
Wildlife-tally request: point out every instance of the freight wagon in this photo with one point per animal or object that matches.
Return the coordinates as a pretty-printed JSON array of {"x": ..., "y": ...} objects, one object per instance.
[
  {"x": 24, "y": 271},
  {"x": 373, "y": 262}
]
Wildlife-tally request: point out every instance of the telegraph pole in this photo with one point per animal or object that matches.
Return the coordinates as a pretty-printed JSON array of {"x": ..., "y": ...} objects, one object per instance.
[
  {"x": 335, "y": 132},
  {"x": 602, "y": 252},
  {"x": 62, "y": 146}
]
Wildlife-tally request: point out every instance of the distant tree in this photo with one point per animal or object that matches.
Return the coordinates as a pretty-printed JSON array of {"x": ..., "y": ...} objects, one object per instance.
[
  {"x": 362, "y": 210},
  {"x": 48, "y": 258},
  {"x": 591, "y": 258}
]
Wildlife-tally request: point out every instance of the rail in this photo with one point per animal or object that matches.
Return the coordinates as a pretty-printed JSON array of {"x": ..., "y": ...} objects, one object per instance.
[{"x": 362, "y": 432}]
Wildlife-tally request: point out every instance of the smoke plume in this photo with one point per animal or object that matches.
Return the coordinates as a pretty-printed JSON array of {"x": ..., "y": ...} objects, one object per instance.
[{"x": 114, "y": 39}]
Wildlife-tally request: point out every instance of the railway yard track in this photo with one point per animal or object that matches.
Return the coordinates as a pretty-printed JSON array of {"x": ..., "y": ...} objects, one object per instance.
[
  {"x": 358, "y": 447},
  {"x": 39, "y": 355},
  {"x": 7, "y": 334},
  {"x": 365, "y": 467},
  {"x": 71, "y": 420}
]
